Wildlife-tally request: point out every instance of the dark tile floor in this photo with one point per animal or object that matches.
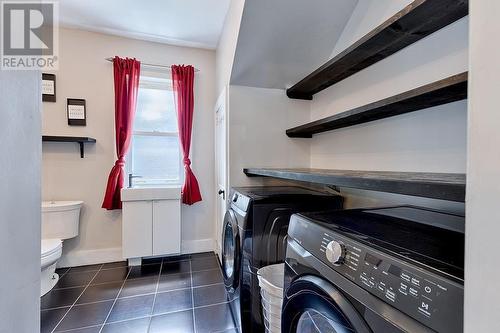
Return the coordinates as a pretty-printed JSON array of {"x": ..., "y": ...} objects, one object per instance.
[{"x": 181, "y": 294}]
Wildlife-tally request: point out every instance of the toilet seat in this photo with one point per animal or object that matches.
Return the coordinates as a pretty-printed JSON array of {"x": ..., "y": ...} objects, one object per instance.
[{"x": 51, "y": 250}]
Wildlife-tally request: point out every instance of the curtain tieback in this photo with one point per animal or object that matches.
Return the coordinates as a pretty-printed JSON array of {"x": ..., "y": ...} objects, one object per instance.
[
  {"x": 120, "y": 162},
  {"x": 187, "y": 161}
]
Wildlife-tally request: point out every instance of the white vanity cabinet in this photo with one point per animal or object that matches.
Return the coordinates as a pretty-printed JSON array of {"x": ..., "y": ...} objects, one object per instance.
[{"x": 151, "y": 222}]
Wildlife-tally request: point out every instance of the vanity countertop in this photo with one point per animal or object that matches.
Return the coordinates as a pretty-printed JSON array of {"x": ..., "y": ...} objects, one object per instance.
[{"x": 151, "y": 193}]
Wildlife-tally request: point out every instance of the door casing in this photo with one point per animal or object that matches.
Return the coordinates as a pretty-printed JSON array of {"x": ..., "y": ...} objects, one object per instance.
[{"x": 221, "y": 166}]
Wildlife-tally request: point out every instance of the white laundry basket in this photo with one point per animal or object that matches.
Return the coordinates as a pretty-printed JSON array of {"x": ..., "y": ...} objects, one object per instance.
[{"x": 271, "y": 292}]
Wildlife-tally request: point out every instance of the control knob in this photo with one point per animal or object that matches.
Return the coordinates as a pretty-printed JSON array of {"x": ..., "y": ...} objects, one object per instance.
[{"x": 335, "y": 253}]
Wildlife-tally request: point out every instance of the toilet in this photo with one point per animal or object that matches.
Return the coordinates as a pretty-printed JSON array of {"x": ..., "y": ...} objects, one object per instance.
[{"x": 60, "y": 221}]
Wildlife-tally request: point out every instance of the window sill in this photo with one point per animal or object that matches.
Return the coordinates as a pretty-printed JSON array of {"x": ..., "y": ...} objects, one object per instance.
[{"x": 172, "y": 192}]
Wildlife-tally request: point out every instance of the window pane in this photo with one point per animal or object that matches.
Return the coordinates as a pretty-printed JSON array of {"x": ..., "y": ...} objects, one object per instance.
[
  {"x": 156, "y": 159},
  {"x": 155, "y": 111}
]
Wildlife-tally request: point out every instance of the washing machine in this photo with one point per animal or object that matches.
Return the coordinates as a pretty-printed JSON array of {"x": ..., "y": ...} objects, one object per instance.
[
  {"x": 386, "y": 270},
  {"x": 254, "y": 235}
]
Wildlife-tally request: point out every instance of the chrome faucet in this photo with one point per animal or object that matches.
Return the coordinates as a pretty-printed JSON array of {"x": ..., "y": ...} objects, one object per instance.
[{"x": 130, "y": 177}]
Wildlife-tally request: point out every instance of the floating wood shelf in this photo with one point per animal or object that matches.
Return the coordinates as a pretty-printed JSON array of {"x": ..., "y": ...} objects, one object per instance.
[
  {"x": 416, "y": 21},
  {"x": 81, "y": 140},
  {"x": 445, "y": 186},
  {"x": 448, "y": 90}
]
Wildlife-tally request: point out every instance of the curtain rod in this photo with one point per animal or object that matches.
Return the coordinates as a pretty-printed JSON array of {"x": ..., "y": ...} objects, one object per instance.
[{"x": 110, "y": 59}]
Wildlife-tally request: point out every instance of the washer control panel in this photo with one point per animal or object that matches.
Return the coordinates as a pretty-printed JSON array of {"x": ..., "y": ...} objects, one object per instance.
[
  {"x": 432, "y": 299},
  {"x": 240, "y": 201},
  {"x": 335, "y": 252}
]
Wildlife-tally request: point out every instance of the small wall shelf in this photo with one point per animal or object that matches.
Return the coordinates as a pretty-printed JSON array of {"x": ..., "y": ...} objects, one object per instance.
[
  {"x": 451, "y": 89},
  {"x": 444, "y": 186},
  {"x": 81, "y": 140},
  {"x": 414, "y": 22}
]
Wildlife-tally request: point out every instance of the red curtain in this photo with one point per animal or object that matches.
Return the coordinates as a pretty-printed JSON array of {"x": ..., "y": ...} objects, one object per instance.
[
  {"x": 183, "y": 77},
  {"x": 126, "y": 76}
]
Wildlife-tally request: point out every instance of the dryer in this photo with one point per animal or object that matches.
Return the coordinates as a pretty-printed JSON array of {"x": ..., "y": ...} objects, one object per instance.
[
  {"x": 385, "y": 270},
  {"x": 254, "y": 235}
]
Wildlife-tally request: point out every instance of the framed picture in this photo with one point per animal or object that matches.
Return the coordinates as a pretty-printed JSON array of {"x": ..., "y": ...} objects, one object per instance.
[
  {"x": 77, "y": 115},
  {"x": 48, "y": 87}
]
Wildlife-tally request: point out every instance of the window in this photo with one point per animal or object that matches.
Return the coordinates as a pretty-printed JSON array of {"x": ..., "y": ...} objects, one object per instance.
[{"x": 154, "y": 156}]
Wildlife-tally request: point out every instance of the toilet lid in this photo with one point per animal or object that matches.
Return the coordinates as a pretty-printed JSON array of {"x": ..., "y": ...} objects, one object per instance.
[{"x": 49, "y": 246}]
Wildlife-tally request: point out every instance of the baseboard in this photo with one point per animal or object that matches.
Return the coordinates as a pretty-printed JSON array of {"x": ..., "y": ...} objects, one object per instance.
[
  {"x": 90, "y": 257},
  {"x": 218, "y": 248},
  {"x": 218, "y": 251},
  {"x": 198, "y": 245},
  {"x": 99, "y": 256}
]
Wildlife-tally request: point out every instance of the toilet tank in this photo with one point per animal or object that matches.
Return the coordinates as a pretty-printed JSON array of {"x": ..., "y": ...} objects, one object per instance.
[{"x": 60, "y": 219}]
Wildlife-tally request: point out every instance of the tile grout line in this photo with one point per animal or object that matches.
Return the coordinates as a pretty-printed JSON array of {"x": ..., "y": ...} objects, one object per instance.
[
  {"x": 87, "y": 303},
  {"x": 116, "y": 298},
  {"x": 206, "y": 270},
  {"x": 192, "y": 295},
  {"x": 66, "y": 272},
  {"x": 208, "y": 305},
  {"x": 80, "y": 328},
  {"x": 131, "y": 296},
  {"x": 90, "y": 271},
  {"x": 174, "y": 311},
  {"x": 165, "y": 313},
  {"x": 101, "y": 283},
  {"x": 154, "y": 298},
  {"x": 208, "y": 285},
  {"x": 64, "y": 288},
  {"x": 76, "y": 300},
  {"x": 102, "y": 267},
  {"x": 125, "y": 320},
  {"x": 95, "y": 284}
]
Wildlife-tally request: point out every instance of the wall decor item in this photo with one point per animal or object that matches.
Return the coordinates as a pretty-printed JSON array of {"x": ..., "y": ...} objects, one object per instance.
[
  {"x": 48, "y": 87},
  {"x": 77, "y": 115}
]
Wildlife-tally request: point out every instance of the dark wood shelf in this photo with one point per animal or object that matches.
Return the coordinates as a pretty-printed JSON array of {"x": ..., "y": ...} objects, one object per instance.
[
  {"x": 444, "y": 186},
  {"x": 81, "y": 140},
  {"x": 416, "y": 21},
  {"x": 445, "y": 91}
]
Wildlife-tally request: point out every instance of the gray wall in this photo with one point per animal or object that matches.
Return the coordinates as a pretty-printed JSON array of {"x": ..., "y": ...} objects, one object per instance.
[{"x": 20, "y": 163}]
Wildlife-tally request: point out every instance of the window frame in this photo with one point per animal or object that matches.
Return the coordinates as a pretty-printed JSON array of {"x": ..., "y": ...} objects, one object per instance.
[{"x": 153, "y": 80}]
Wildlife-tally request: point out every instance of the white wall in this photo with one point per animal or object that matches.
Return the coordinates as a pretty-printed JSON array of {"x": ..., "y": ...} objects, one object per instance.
[
  {"x": 226, "y": 47},
  {"x": 20, "y": 160},
  {"x": 83, "y": 73},
  {"x": 431, "y": 140},
  {"x": 276, "y": 53},
  {"x": 483, "y": 185},
  {"x": 367, "y": 15},
  {"x": 258, "y": 118}
]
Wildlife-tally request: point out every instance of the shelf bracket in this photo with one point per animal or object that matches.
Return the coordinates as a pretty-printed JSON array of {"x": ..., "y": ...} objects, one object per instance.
[
  {"x": 81, "y": 149},
  {"x": 73, "y": 139}
]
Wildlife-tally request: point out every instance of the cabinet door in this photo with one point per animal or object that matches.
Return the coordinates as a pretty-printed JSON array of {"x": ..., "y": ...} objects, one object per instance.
[
  {"x": 166, "y": 227},
  {"x": 137, "y": 233}
]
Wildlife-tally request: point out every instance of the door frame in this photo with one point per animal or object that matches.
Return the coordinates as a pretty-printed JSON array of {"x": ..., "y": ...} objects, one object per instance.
[{"x": 222, "y": 102}]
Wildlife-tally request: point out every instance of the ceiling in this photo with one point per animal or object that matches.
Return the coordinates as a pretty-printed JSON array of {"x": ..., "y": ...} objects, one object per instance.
[
  {"x": 194, "y": 23},
  {"x": 281, "y": 41}
]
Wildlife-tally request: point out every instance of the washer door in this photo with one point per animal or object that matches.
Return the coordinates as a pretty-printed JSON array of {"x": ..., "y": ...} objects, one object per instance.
[
  {"x": 313, "y": 305},
  {"x": 230, "y": 250}
]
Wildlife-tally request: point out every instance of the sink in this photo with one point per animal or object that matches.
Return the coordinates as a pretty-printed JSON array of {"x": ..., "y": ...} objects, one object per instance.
[{"x": 151, "y": 193}]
